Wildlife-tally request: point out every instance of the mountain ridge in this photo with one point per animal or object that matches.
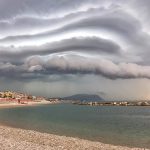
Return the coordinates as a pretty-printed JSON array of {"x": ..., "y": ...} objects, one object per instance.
[{"x": 83, "y": 97}]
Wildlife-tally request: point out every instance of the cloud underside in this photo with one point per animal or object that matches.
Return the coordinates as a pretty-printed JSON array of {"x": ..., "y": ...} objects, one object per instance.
[
  {"x": 87, "y": 44},
  {"x": 107, "y": 38},
  {"x": 37, "y": 67}
]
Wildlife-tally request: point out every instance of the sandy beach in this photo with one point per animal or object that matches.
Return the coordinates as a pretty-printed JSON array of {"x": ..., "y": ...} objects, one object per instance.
[
  {"x": 15, "y": 104},
  {"x": 19, "y": 139}
]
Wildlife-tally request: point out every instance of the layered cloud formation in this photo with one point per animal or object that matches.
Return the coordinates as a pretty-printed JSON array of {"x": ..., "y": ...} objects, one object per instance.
[{"x": 109, "y": 38}]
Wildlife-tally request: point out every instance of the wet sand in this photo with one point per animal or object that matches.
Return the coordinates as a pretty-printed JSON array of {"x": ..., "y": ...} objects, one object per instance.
[{"x": 19, "y": 139}]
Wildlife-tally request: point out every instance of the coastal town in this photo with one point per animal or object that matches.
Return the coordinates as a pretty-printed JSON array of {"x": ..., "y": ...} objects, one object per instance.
[{"x": 12, "y": 98}]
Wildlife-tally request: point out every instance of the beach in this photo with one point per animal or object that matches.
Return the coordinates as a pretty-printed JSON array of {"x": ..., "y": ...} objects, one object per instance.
[
  {"x": 31, "y": 103},
  {"x": 20, "y": 139}
]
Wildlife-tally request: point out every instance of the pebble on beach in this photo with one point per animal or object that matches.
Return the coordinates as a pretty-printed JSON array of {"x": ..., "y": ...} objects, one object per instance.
[{"x": 19, "y": 139}]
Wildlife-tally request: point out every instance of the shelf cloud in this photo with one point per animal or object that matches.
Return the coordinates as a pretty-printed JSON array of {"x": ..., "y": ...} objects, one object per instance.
[
  {"x": 104, "y": 38},
  {"x": 74, "y": 64}
]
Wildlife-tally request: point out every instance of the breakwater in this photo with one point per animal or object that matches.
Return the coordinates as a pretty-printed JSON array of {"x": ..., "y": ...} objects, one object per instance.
[{"x": 114, "y": 103}]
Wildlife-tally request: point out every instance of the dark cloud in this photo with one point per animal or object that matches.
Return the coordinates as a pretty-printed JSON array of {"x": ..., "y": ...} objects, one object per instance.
[
  {"x": 24, "y": 24},
  {"x": 56, "y": 47},
  {"x": 38, "y": 7},
  {"x": 37, "y": 67},
  {"x": 83, "y": 65},
  {"x": 119, "y": 31},
  {"x": 20, "y": 25},
  {"x": 123, "y": 25},
  {"x": 87, "y": 45}
]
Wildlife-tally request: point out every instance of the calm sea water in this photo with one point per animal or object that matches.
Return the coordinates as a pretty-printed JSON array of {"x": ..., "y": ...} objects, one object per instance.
[{"x": 128, "y": 126}]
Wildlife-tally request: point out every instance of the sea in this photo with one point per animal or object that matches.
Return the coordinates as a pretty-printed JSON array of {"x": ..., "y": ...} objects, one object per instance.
[{"x": 117, "y": 125}]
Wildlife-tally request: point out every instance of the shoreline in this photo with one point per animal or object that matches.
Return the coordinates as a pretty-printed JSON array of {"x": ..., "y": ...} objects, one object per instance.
[
  {"x": 17, "y": 139},
  {"x": 15, "y": 104},
  {"x": 13, "y": 137}
]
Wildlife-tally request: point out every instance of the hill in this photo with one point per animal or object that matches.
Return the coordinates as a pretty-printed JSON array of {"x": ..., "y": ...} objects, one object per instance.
[{"x": 83, "y": 97}]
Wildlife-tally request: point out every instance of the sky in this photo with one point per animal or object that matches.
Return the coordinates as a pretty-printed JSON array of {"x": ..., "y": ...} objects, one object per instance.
[{"x": 64, "y": 47}]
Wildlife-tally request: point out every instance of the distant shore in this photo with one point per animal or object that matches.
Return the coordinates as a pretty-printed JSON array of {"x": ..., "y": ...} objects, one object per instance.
[
  {"x": 19, "y": 139},
  {"x": 113, "y": 103}
]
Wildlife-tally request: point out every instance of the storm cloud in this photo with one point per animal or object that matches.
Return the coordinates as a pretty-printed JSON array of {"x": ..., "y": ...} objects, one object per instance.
[
  {"x": 91, "y": 45},
  {"x": 76, "y": 64},
  {"x": 37, "y": 66},
  {"x": 41, "y": 40}
]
